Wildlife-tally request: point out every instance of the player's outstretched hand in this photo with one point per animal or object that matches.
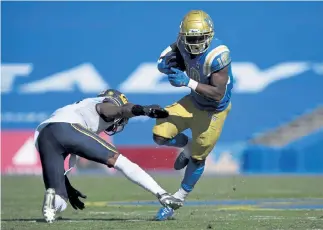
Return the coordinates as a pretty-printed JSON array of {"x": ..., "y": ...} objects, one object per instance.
[
  {"x": 155, "y": 111},
  {"x": 74, "y": 196}
]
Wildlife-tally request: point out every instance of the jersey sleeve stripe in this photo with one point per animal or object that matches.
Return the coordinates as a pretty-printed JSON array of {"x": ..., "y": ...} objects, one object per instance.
[
  {"x": 168, "y": 49},
  {"x": 210, "y": 58}
]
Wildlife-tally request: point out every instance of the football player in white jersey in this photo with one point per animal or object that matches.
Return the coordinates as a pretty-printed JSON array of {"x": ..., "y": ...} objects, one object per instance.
[{"x": 73, "y": 130}]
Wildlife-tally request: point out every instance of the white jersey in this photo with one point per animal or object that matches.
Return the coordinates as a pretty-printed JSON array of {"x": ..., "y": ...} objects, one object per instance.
[{"x": 82, "y": 112}]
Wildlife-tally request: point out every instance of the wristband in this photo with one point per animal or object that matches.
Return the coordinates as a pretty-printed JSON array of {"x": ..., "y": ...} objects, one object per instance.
[{"x": 192, "y": 84}]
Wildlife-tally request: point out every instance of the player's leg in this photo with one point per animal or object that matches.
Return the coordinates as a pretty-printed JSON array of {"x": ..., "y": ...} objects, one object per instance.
[
  {"x": 138, "y": 176},
  {"x": 87, "y": 144},
  {"x": 52, "y": 160},
  {"x": 206, "y": 130},
  {"x": 184, "y": 156},
  {"x": 168, "y": 131}
]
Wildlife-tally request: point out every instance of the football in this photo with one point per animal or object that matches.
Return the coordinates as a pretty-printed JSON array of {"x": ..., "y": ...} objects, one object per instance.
[{"x": 175, "y": 58}]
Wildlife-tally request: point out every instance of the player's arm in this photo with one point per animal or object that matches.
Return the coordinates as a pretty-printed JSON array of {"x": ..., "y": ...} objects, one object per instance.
[
  {"x": 109, "y": 112},
  {"x": 217, "y": 68},
  {"x": 217, "y": 87}
]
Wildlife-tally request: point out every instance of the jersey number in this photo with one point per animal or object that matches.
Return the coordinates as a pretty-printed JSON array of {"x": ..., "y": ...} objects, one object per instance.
[{"x": 195, "y": 75}]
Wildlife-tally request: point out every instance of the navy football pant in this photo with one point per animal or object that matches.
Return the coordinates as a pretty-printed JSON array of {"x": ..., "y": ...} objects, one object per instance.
[{"x": 57, "y": 140}]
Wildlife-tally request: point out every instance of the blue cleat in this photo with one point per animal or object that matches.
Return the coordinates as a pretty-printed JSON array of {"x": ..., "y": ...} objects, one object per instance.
[{"x": 164, "y": 213}]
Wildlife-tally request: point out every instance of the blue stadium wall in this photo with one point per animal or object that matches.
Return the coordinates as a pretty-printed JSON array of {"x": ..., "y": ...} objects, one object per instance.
[
  {"x": 302, "y": 156},
  {"x": 55, "y": 53}
]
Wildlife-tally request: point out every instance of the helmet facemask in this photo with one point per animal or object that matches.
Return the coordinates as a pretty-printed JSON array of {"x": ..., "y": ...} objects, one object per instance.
[
  {"x": 117, "y": 126},
  {"x": 117, "y": 98},
  {"x": 197, "y": 44}
]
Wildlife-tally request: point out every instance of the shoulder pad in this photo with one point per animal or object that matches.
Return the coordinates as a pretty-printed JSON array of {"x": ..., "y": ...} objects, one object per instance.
[{"x": 216, "y": 59}]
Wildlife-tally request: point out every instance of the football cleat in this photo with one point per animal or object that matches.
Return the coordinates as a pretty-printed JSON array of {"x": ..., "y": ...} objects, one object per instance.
[
  {"x": 181, "y": 161},
  {"x": 49, "y": 211},
  {"x": 164, "y": 213},
  {"x": 169, "y": 201}
]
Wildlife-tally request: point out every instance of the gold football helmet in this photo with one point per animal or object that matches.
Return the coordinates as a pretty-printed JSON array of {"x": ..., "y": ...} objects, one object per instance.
[{"x": 196, "y": 31}]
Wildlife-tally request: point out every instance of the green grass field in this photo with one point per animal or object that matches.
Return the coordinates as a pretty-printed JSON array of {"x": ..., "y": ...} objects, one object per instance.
[{"x": 22, "y": 197}]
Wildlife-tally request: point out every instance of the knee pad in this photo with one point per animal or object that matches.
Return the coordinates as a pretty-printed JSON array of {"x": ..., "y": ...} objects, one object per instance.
[
  {"x": 160, "y": 140},
  {"x": 60, "y": 204}
]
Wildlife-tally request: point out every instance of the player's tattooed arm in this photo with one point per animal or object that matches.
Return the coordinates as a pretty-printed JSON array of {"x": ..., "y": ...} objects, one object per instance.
[
  {"x": 217, "y": 87},
  {"x": 109, "y": 111}
]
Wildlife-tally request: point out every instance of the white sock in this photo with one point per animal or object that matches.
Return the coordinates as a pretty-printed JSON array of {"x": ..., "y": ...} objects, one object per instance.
[
  {"x": 137, "y": 175},
  {"x": 60, "y": 204},
  {"x": 181, "y": 194},
  {"x": 187, "y": 149}
]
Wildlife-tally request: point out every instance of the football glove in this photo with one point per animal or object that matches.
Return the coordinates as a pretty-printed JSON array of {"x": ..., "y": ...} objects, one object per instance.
[
  {"x": 178, "y": 78},
  {"x": 155, "y": 111},
  {"x": 152, "y": 111},
  {"x": 73, "y": 196}
]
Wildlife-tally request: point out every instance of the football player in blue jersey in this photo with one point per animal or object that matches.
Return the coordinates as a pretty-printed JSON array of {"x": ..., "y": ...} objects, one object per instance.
[{"x": 201, "y": 62}]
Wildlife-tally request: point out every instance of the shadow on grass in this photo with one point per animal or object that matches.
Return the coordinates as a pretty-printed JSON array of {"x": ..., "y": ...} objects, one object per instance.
[{"x": 33, "y": 220}]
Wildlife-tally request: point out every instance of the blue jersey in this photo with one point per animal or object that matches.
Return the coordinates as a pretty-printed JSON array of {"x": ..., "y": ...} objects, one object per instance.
[{"x": 200, "y": 67}]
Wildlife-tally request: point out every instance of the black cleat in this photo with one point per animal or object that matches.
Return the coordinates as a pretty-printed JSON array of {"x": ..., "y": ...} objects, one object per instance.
[{"x": 181, "y": 161}]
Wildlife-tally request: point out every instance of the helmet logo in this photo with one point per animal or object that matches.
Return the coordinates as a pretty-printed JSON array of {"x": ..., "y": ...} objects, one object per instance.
[
  {"x": 123, "y": 99},
  {"x": 194, "y": 31}
]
